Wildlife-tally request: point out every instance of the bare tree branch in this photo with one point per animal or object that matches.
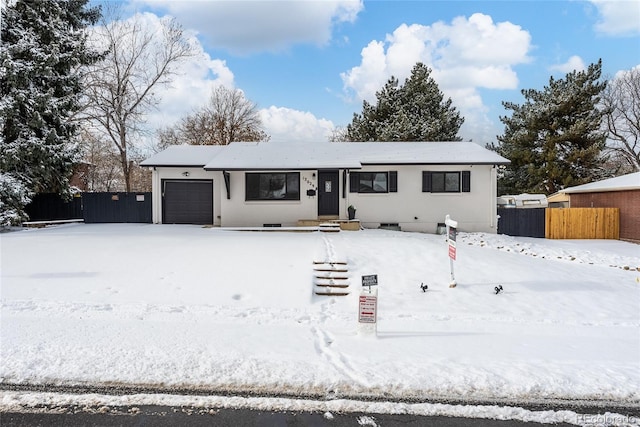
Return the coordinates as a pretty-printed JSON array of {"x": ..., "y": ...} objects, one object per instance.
[
  {"x": 227, "y": 117},
  {"x": 621, "y": 102},
  {"x": 121, "y": 89}
]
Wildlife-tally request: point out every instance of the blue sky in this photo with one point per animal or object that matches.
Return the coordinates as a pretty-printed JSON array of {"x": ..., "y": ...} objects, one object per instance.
[{"x": 309, "y": 64}]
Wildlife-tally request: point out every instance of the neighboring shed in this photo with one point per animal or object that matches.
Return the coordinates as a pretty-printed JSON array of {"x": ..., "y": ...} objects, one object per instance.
[
  {"x": 558, "y": 200},
  {"x": 407, "y": 185},
  {"x": 622, "y": 192}
]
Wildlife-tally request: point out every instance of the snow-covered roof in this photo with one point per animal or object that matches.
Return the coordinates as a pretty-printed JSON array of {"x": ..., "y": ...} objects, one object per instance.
[
  {"x": 184, "y": 155},
  {"x": 620, "y": 183},
  {"x": 321, "y": 155},
  {"x": 351, "y": 155},
  {"x": 280, "y": 155}
]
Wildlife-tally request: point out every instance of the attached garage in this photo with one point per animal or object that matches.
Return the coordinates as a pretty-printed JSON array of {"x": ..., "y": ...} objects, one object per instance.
[{"x": 187, "y": 201}]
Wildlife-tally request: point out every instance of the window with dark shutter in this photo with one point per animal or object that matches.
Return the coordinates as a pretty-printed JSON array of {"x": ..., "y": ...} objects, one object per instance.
[
  {"x": 446, "y": 182},
  {"x": 372, "y": 182}
]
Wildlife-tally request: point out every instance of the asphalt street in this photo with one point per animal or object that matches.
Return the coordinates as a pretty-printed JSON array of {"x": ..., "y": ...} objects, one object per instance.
[{"x": 181, "y": 416}]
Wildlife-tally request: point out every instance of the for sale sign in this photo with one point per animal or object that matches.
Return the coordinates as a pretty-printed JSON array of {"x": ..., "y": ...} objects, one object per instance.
[
  {"x": 452, "y": 243},
  {"x": 452, "y": 252},
  {"x": 367, "y": 308}
]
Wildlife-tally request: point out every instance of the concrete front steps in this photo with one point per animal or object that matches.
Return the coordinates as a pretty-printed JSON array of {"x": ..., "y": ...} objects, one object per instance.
[
  {"x": 330, "y": 223},
  {"x": 331, "y": 278}
]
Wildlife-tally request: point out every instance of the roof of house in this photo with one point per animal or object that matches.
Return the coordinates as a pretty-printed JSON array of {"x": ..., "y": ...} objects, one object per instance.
[
  {"x": 620, "y": 183},
  {"x": 184, "y": 155},
  {"x": 323, "y": 155}
]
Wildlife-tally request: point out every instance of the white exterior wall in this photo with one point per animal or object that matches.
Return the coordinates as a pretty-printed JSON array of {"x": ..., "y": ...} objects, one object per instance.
[
  {"x": 414, "y": 210},
  {"x": 410, "y": 208},
  {"x": 160, "y": 173},
  {"x": 238, "y": 212}
]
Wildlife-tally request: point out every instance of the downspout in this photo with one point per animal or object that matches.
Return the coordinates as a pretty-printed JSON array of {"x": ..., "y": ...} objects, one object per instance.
[{"x": 494, "y": 197}]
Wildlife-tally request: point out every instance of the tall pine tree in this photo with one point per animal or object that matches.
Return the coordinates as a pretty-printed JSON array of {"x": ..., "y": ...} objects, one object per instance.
[
  {"x": 415, "y": 111},
  {"x": 554, "y": 140},
  {"x": 43, "y": 47}
]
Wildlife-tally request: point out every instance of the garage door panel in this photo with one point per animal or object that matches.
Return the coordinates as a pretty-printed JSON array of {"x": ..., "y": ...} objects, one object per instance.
[{"x": 187, "y": 202}]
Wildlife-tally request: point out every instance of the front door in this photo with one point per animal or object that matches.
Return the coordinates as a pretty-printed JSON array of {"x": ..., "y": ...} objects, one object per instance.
[{"x": 328, "y": 193}]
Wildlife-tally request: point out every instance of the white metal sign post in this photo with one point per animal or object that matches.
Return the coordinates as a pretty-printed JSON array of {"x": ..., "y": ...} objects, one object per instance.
[
  {"x": 451, "y": 239},
  {"x": 368, "y": 305}
]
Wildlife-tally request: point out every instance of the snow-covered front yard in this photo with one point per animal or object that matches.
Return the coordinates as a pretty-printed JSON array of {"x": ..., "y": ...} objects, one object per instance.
[{"x": 235, "y": 310}]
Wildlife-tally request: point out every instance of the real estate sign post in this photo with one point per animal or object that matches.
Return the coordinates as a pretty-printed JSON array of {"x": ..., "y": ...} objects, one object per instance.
[
  {"x": 451, "y": 239},
  {"x": 368, "y": 305}
]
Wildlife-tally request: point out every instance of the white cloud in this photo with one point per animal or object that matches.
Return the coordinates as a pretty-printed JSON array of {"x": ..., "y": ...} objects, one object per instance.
[
  {"x": 190, "y": 87},
  {"x": 575, "y": 63},
  {"x": 618, "y": 18},
  {"x": 465, "y": 55},
  {"x": 253, "y": 26},
  {"x": 285, "y": 124}
]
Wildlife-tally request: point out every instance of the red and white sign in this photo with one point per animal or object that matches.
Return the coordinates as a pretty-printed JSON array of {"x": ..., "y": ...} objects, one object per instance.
[
  {"x": 367, "y": 308},
  {"x": 452, "y": 242},
  {"x": 452, "y": 251}
]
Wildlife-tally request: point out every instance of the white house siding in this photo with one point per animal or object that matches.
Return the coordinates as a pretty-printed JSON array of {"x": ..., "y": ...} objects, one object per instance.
[
  {"x": 238, "y": 212},
  {"x": 414, "y": 210},
  {"x": 177, "y": 173},
  {"x": 474, "y": 211}
]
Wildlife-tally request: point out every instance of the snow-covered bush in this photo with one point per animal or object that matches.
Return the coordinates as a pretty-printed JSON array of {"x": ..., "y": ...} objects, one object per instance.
[{"x": 14, "y": 196}]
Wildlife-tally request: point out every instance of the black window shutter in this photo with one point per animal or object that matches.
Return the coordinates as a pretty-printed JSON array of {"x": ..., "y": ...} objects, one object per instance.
[
  {"x": 426, "y": 182},
  {"x": 344, "y": 184},
  {"x": 354, "y": 182},
  {"x": 393, "y": 182},
  {"x": 466, "y": 181}
]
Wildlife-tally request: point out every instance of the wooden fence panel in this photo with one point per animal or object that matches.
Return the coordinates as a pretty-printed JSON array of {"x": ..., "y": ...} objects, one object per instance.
[{"x": 582, "y": 223}]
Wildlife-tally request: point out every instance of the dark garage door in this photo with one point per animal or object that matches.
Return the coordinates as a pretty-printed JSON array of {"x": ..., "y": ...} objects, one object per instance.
[{"x": 187, "y": 202}]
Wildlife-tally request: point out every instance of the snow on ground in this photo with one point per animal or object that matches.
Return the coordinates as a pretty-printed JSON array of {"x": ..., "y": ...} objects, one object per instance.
[{"x": 192, "y": 307}]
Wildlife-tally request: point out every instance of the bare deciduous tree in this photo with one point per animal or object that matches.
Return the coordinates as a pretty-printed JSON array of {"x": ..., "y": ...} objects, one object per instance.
[
  {"x": 621, "y": 101},
  {"x": 227, "y": 117},
  {"x": 103, "y": 172},
  {"x": 339, "y": 134},
  {"x": 121, "y": 89}
]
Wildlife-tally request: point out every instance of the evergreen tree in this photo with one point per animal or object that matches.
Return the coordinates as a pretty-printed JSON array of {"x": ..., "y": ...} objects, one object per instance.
[
  {"x": 43, "y": 47},
  {"x": 415, "y": 111},
  {"x": 554, "y": 140}
]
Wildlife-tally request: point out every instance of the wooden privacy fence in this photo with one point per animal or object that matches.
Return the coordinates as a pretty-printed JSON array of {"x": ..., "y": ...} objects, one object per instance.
[
  {"x": 560, "y": 223},
  {"x": 582, "y": 223}
]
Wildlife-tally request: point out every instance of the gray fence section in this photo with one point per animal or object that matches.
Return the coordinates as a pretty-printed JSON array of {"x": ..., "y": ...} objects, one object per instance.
[
  {"x": 92, "y": 207},
  {"x": 52, "y": 207},
  {"x": 521, "y": 222},
  {"x": 116, "y": 207}
]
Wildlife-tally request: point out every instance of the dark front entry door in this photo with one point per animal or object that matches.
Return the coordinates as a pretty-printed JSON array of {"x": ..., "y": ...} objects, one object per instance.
[{"x": 328, "y": 193}]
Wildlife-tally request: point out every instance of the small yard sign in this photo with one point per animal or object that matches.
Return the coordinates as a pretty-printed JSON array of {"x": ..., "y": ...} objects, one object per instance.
[
  {"x": 371, "y": 280},
  {"x": 451, "y": 239},
  {"x": 367, "y": 308},
  {"x": 452, "y": 243}
]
